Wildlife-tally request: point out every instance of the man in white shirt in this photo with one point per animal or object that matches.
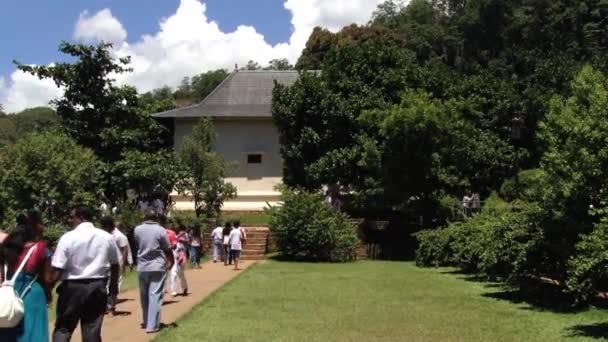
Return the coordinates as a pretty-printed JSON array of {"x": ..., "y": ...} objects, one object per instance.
[
  {"x": 83, "y": 259},
  {"x": 235, "y": 240},
  {"x": 216, "y": 238}
]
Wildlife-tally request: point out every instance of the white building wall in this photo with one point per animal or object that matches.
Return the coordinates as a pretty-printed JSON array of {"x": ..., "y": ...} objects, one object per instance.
[{"x": 236, "y": 138}]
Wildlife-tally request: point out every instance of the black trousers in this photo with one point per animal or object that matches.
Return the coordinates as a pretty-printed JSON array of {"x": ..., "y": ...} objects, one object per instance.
[{"x": 81, "y": 301}]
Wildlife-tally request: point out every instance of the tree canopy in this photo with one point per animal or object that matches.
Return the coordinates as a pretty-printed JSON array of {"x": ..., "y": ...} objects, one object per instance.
[
  {"x": 204, "y": 171},
  {"x": 48, "y": 171}
]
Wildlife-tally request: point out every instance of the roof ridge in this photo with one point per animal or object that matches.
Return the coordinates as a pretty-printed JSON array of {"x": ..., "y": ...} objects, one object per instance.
[{"x": 229, "y": 77}]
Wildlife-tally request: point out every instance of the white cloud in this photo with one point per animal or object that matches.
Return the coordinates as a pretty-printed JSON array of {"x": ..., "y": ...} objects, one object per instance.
[
  {"x": 26, "y": 91},
  {"x": 102, "y": 26},
  {"x": 188, "y": 43}
]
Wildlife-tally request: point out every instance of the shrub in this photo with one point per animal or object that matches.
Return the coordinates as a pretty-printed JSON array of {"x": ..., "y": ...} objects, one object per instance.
[
  {"x": 516, "y": 249},
  {"x": 130, "y": 216},
  {"x": 498, "y": 243},
  {"x": 434, "y": 247},
  {"x": 468, "y": 242},
  {"x": 306, "y": 228},
  {"x": 588, "y": 269},
  {"x": 187, "y": 219},
  {"x": 48, "y": 171},
  {"x": 53, "y": 233},
  {"x": 459, "y": 244}
]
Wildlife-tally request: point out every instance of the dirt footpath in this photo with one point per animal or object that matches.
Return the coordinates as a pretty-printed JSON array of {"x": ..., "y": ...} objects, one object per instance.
[{"x": 201, "y": 283}]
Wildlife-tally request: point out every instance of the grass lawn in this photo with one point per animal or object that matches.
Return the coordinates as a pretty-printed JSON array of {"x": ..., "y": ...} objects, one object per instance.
[
  {"x": 247, "y": 218},
  {"x": 372, "y": 301}
]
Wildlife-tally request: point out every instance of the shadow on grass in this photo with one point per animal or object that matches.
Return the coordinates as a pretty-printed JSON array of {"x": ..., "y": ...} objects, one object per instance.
[
  {"x": 164, "y": 326},
  {"x": 473, "y": 277},
  {"x": 597, "y": 330},
  {"x": 536, "y": 295}
]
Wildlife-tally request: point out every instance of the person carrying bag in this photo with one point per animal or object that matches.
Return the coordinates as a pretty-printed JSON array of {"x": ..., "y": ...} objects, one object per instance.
[{"x": 12, "y": 308}]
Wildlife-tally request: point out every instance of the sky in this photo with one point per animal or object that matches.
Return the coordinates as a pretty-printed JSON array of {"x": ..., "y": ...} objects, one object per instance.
[{"x": 166, "y": 39}]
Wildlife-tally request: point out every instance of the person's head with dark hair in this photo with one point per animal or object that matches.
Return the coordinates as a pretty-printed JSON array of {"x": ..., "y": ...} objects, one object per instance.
[
  {"x": 29, "y": 229},
  {"x": 107, "y": 223},
  {"x": 34, "y": 219},
  {"x": 227, "y": 228},
  {"x": 163, "y": 221},
  {"x": 150, "y": 215},
  {"x": 80, "y": 214},
  {"x": 236, "y": 224},
  {"x": 21, "y": 219}
]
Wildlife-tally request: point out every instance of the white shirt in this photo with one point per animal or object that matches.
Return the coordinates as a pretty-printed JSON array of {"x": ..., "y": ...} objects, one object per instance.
[
  {"x": 216, "y": 234},
  {"x": 235, "y": 239},
  {"x": 85, "y": 253},
  {"x": 122, "y": 242}
]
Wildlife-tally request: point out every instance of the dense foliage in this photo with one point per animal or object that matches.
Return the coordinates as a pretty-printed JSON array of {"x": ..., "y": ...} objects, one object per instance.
[
  {"x": 304, "y": 227},
  {"x": 48, "y": 171},
  {"x": 560, "y": 230},
  {"x": 97, "y": 113},
  {"x": 31, "y": 120},
  {"x": 434, "y": 98}
]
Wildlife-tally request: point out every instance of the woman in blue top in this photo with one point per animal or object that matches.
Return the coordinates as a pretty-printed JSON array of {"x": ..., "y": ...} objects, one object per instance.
[{"x": 33, "y": 281}]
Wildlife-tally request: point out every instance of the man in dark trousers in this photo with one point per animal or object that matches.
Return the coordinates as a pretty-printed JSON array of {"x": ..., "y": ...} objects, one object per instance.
[{"x": 84, "y": 259}]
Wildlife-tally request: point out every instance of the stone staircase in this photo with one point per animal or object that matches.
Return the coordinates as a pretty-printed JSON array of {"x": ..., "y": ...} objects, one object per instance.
[
  {"x": 257, "y": 243},
  {"x": 255, "y": 248}
]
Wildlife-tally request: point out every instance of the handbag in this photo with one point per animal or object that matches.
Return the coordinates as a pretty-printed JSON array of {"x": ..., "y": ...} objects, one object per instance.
[{"x": 11, "y": 302}]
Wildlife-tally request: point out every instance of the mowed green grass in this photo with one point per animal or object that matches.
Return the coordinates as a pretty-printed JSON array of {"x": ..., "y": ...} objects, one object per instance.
[
  {"x": 247, "y": 218},
  {"x": 370, "y": 301}
]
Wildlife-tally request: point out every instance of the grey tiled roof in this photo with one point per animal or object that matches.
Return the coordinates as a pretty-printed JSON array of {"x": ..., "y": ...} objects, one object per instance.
[{"x": 241, "y": 94}]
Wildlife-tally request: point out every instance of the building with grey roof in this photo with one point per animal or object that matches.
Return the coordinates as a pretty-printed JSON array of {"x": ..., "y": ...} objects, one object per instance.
[{"x": 240, "y": 108}]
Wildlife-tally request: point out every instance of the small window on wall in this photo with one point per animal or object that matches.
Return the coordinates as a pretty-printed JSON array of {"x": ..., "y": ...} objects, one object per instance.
[{"x": 254, "y": 158}]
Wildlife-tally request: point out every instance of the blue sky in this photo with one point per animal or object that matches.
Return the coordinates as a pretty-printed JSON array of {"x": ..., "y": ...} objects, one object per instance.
[
  {"x": 167, "y": 39},
  {"x": 32, "y": 29}
]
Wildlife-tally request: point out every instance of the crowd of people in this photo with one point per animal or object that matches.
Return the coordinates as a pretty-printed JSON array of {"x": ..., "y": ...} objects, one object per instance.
[
  {"x": 227, "y": 243},
  {"x": 90, "y": 262}
]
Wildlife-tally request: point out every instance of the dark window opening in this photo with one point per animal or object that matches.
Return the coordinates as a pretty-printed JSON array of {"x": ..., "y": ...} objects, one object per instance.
[{"x": 254, "y": 159}]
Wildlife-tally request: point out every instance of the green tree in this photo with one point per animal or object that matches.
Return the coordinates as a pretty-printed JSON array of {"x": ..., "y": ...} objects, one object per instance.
[
  {"x": 8, "y": 131},
  {"x": 203, "y": 84},
  {"x": 279, "y": 64},
  {"x": 252, "y": 66},
  {"x": 94, "y": 111},
  {"x": 184, "y": 90},
  {"x": 576, "y": 154},
  {"x": 146, "y": 172},
  {"x": 97, "y": 113},
  {"x": 157, "y": 100},
  {"x": 31, "y": 120},
  {"x": 204, "y": 171},
  {"x": 49, "y": 171},
  {"x": 35, "y": 120}
]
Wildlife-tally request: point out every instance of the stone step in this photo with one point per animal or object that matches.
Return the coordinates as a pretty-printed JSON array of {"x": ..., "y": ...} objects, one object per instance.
[
  {"x": 251, "y": 252},
  {"x": 254, "y": 245},
  {"x": 254, "y": 251},
  {"x": 257, "y": 236},
  {"x": 256, "y": 240}
]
